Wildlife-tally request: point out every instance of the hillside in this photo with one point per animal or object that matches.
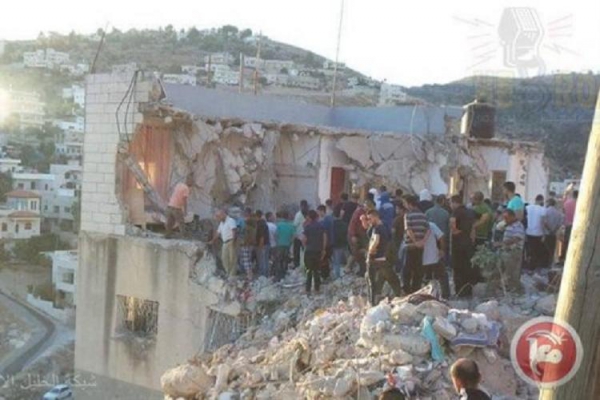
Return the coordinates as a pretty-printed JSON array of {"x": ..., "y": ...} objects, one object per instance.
[{"x": 556, "y": 109}]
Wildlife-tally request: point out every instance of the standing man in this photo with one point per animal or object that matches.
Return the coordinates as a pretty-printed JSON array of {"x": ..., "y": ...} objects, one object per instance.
[
  {"x": 433, "y": 256},
  {"x": 482, "y": 228},
  {"x": 285, "y": 235},
  {"x": 416, "y": 235},
  {"x": 535, "y": 249},
  {"x": 327, "y": 221},
  {"x": 227, "y": 232},
  {"x": 461, "y": 226},
  {"x": 248, "y": 243},
  {"x": 379, "y": 269},
  {"x": 515, "y": 203},
  {"x": 299, "y": 220},
  {"x": 340, "y": 244},
  {"x": 357, "y": 235},
  {"x": 425, "y": 200},
  {"x": 439, "y": 216},
  {"x": 552, "y": 223},
  {"x": 348, "y": 207},
  {"x": 387, "y": 211},
  {"x": 570, "y": 205},
  {"x": 512, "y": 250},
  {"x": 315, "y": 243},
  {"x": 263, "y": 244},
  {"x": 177, "y": 208}
]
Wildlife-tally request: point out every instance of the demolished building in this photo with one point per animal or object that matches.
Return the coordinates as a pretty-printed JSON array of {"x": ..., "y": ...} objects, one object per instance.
[{"x": 145, "y": 303}]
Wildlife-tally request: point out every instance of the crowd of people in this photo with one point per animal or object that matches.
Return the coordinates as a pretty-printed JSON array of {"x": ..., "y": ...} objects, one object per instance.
[{"x": 402, "y": 239}]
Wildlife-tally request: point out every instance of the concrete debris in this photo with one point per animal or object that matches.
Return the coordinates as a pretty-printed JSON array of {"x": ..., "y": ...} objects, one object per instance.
[
  {"x": 546, "y": 305},
  {"x": 185, "y": 381},
  {"x": 336, "y": 346}
]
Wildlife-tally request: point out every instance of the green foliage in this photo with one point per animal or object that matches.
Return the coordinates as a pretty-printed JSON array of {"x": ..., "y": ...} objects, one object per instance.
[
  {"x": 6, "y": 185},
  {"x": 29, "y": 250}
]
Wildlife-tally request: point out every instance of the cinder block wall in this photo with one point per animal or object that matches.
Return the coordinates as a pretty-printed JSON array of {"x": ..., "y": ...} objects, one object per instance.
[{"x": 101, "y": 210}]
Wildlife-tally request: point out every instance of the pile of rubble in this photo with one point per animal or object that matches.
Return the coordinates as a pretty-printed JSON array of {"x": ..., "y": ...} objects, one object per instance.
[{"x": 336, "y": 346}]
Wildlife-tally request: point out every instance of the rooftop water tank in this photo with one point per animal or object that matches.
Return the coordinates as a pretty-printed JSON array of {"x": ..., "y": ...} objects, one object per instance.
[{"x": 479, "y": 120}]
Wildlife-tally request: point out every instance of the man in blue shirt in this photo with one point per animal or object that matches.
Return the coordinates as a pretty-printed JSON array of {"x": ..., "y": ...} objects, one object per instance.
[{"x": 515, "y": 203}]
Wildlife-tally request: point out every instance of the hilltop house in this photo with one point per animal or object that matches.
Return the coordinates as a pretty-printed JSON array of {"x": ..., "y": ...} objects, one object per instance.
[{"x": 20, "y": 217}]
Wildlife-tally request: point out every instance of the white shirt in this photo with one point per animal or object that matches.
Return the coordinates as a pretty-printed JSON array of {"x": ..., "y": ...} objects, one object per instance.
[
  {"x": 535, "y": 220},
  {"x": 431, "y": 253},
  {"x": 226, "y": 229},
  {"x": 272, "y": 234},
  {"x": 299, "y": 223}
]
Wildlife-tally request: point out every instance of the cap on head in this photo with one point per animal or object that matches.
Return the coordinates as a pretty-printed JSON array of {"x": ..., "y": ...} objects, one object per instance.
[{"x": 425, "y": 195}]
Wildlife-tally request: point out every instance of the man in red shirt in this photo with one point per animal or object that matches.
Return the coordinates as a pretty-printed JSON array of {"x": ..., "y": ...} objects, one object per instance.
[
  {"x": 570, "y": 205},
  {"x": 357, "y": 236},
  {"x": 177, "y": 209}
]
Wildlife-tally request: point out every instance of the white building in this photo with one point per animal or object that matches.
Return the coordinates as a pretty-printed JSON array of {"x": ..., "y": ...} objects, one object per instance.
[
  {"x": 64, "y": 276},
  {"x": 10, "y": 165},
  {"x": 305, "y": 82},
  {"x": 219, "y": 58},
  {"x": 76, "y": 124},
  {"x": 76, "y": 70},
  {"x": 49, "y": 59},
  {"x": 269, "y": 66},
  {"x": 71, "y": 150},
  {"x": 75, "y": 93},
  {"x": 27, "y": 107},
  {"x": 128, "y": 68},
  {"x": 182, "y": 79},
  {"x": 390, "y": 95},
  {"x": 20, "y": 217},
  {"x": 226, "y": 77},
  {"x": 327, "y": 64},
  {"x": 191, "y": 69}
]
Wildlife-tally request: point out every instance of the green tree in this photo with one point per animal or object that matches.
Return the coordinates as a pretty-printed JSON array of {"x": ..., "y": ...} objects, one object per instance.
[
  {"x": 246, "y": 33},
  {"x": 6, "y": 185},
  {"x": 30, "y": 250}
]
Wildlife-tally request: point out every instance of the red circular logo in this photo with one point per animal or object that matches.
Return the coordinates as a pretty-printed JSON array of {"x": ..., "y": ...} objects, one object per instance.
[{"x": 546, "y": 353}]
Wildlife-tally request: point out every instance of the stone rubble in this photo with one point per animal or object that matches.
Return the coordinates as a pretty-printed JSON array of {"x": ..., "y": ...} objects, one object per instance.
[{"x": 334, "y": 346}]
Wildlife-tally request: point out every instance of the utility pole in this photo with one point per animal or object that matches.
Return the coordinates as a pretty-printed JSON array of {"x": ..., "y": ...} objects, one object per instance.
[
  {"x": 208, "y": 72},
  {"x": 241, "y": 72},
  {"x": 579, "y": 295},
  {"x": 337, "y": 56},
  {"x": 257, "y": 64}
]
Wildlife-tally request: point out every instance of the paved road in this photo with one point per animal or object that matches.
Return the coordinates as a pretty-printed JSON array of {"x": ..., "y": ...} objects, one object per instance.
[{"x": 40, "y": 339}]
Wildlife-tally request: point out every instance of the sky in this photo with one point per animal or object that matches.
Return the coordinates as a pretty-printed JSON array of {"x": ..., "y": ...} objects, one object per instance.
[{"x": 407, "y": 43}]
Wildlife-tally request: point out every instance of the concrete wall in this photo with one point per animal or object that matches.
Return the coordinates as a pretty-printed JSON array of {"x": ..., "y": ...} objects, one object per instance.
[
  {"x": 330, "y": 157},
  {"x": 148, "y": 270},
  {"x": 526, "y": 168},
  {"x": 100, "y": 210}
]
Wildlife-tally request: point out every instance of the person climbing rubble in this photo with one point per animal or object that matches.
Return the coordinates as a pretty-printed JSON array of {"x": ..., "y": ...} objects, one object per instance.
[
  {"x": 466, "y": 379},
  {"x": 379, "y": 267},
  {"x": 227, "y": 232},
  {"x": 177, "y": 207}
]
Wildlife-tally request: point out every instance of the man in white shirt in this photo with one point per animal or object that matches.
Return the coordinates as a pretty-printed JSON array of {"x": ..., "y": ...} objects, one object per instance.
[
  {"x": 299, "y": 220},
  {"x": 534, "y": 245},
  {"x": 227, "y": 232},
  {"x": 433, "y": 252}
]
